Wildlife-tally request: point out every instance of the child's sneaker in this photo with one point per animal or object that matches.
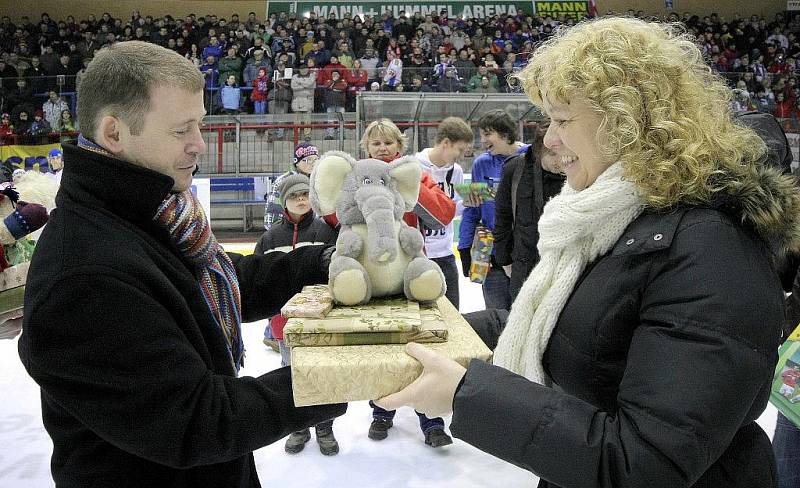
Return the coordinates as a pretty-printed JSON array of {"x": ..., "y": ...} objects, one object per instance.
[
  {"x": 378, "y": 431},
  {"x": 272, "y": 344},
  {"x": 437, "y": 438},
  {"x": 297, "y": 441}
]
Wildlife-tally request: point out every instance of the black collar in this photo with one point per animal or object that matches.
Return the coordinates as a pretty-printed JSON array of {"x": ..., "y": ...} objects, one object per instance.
[{"x": 130, "y": 191}]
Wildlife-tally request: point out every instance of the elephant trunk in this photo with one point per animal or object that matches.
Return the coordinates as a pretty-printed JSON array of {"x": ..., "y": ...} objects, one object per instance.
[{"x": 378, "y": 211}]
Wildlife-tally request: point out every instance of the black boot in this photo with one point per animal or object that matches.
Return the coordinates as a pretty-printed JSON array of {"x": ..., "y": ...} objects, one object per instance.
[
  {"x": 378, "y": 431},
  {"x": 327, "y": 442},
  {"x": 437, "y": 438},
  {"x": 297, "y": 441}
]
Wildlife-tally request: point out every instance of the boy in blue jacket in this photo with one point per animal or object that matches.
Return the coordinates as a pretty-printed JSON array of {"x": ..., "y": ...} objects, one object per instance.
[{"x": 498, "y": 135}]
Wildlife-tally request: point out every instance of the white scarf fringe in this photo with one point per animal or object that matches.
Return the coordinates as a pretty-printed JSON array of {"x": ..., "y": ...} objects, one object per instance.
[{"x": 575, "y": 228}]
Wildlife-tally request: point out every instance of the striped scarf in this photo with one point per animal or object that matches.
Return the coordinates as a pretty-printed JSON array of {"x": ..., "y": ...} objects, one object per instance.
[{"x": 182, "y": 216}]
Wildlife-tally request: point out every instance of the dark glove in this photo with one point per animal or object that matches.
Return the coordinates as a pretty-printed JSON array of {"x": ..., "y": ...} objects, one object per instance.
[
  {"x": 26, "y": 218},
  {"x": 466, "y": 260},
  {"x": 325, "y": 258}
]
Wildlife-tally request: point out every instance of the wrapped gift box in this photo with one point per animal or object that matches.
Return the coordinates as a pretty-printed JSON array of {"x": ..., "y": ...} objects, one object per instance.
[
  {"x": 351, "y": 373},
  {"x": 313, "y": 301},
  {"x": 12, "y": 289},
  {"x": 380, "y": 315},
  {"x": 334, "y": 331},
  {"x": 11, "y": 299},
  {"x": 14, "y": 276}
]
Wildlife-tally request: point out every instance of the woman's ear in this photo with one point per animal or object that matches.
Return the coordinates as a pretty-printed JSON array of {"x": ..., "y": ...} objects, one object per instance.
[
  {"x": 327, "y": 179},
  {"x": 406, "y": 173}
]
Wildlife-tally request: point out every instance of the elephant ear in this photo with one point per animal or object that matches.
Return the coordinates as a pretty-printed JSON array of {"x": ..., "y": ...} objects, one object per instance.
[
  {"x": 327, "y": 179},
  {"x": 406, "y": 173}
]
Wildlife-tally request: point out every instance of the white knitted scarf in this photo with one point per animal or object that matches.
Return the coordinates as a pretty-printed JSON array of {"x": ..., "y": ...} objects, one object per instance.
[{"x": 575, "y": 228}]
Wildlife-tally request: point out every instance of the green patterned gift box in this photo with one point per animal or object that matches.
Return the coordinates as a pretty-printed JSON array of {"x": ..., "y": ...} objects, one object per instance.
[
  {"x": 12, "y": 287},
  {"x": 377, "y": 323},
  {"x": 382, "y": 321},
  {"x": 314, "y": 301}
]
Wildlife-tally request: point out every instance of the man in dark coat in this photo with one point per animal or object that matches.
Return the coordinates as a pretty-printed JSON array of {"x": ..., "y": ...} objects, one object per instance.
[
  {"x": 133, "y": 311},
  {"x": 529, "y": 180}
]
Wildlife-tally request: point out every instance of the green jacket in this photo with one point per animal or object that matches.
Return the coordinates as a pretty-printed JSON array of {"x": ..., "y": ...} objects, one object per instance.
[{"x": 228, "y": 66}]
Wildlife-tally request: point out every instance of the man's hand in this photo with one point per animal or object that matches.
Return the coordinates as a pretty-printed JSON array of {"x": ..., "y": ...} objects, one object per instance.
[
  {"x": 432, "y": 393},
  {"x": 325, "y": 258},
  {"x": 466, "y": 261}
]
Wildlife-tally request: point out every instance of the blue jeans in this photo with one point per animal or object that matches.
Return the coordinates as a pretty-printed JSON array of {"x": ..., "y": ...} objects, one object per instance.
[
  {"x": 496, "y": 289},
  {"x": 286, "y": 353},
  {"x": 268, "y": 332},
  {"x": 448, "y": 266},
  {"x": 260, "y": 107},
  {"x": 425, "y": 423},
  {"x": 786, "y": 444}
]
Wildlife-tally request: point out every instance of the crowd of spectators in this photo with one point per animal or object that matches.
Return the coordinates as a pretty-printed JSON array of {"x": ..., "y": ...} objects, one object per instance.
[{"x": 303, "y": 64}]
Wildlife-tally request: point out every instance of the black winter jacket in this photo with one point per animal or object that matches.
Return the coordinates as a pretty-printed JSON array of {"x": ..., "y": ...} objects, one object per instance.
[
  {"x": 516, "y": 237},
  {"x": 286, "y": 235},
  {"x": 661, "y": 359},
  {"x": 137, "y": 388}
]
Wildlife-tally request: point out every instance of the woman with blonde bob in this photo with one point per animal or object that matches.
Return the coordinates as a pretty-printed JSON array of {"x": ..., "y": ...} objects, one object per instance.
[{"x": 640, "y": 350}]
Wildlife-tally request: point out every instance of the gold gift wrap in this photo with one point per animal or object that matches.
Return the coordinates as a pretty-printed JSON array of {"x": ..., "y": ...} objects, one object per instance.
[
  {"x": 12, "y": 290},
  {"x": 313, "y": 301},
  {"x": 14, "y": 276},
  {"x": 338, "y": 374},
  {"x": 381, "y": 315},
  {"x": 383, "y": 321}
]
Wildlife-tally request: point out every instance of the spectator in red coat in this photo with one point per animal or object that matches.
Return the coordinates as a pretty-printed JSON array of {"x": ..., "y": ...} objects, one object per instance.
[
  {"x": 357, "y": 79},
  {"x": 6, "y": 129},
  {"x": 260, "y": 91},
  {"x": 783, "y": 109},
  {"x": 325, "y": 73}
]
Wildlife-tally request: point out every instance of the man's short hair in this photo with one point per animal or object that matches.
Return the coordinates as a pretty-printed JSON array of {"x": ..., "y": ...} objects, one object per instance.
[
  {"x": 120, "y": 78},
  {"x": 499, "y": 121},
  {"x": 455, "y": 129}
]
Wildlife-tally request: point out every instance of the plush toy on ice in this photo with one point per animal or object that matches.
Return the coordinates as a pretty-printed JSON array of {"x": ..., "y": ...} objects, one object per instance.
[{"x": 377, "y": 254}]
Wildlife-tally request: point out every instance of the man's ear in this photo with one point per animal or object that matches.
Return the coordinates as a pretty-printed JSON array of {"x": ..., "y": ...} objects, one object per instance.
[{"x": 109, "y": 134}]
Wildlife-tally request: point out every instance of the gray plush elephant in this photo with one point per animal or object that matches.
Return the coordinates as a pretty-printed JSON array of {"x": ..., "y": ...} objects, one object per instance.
[{"x": 377, "y": 254}]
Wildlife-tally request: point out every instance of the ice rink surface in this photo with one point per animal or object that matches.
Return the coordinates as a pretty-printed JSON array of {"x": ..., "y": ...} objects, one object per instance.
[{"x": 402, "y": 460}]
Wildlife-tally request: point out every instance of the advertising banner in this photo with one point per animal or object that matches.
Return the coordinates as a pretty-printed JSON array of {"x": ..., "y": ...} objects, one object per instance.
[
  {"x": 470, "y": 9},
  {"x": 26, "y": 157},
  {"x": 577, "y": 9}
]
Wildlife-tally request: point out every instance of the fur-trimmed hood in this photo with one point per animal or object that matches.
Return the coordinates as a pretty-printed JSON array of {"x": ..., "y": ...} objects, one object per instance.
[{"x": 769, "y": 202}]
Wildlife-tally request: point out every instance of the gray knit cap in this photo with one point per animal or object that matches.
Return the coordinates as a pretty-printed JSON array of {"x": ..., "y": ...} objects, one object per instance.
[{"x": 295, "y": 183}]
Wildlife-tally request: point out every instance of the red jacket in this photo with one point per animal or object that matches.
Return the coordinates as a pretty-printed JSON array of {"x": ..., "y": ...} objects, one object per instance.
[
  {"x": 324, "y": 74},
  {"x": 356, "y": 78},
  {"x": 783, "y": 110},
  {"x": 260, "y": 89},
  {"x": 434, "y": 207}
]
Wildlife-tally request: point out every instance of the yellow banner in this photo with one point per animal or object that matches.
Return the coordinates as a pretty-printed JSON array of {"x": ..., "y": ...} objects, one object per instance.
[{"x": 26, "y": 157}]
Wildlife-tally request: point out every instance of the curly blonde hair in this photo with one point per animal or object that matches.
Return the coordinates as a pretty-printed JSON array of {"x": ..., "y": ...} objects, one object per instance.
[
  {"x": 666, "y": 116},
  {"x": 383, "y": 128}
]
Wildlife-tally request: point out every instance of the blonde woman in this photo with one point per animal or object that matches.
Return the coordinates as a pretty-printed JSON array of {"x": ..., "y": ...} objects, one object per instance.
[
  {"x": 434, "y": 210},
  {"x": 640, "y": 350}
]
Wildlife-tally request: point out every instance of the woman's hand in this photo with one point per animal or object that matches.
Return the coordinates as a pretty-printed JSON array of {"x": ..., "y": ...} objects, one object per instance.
[{"x": 432, "y": 393}]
